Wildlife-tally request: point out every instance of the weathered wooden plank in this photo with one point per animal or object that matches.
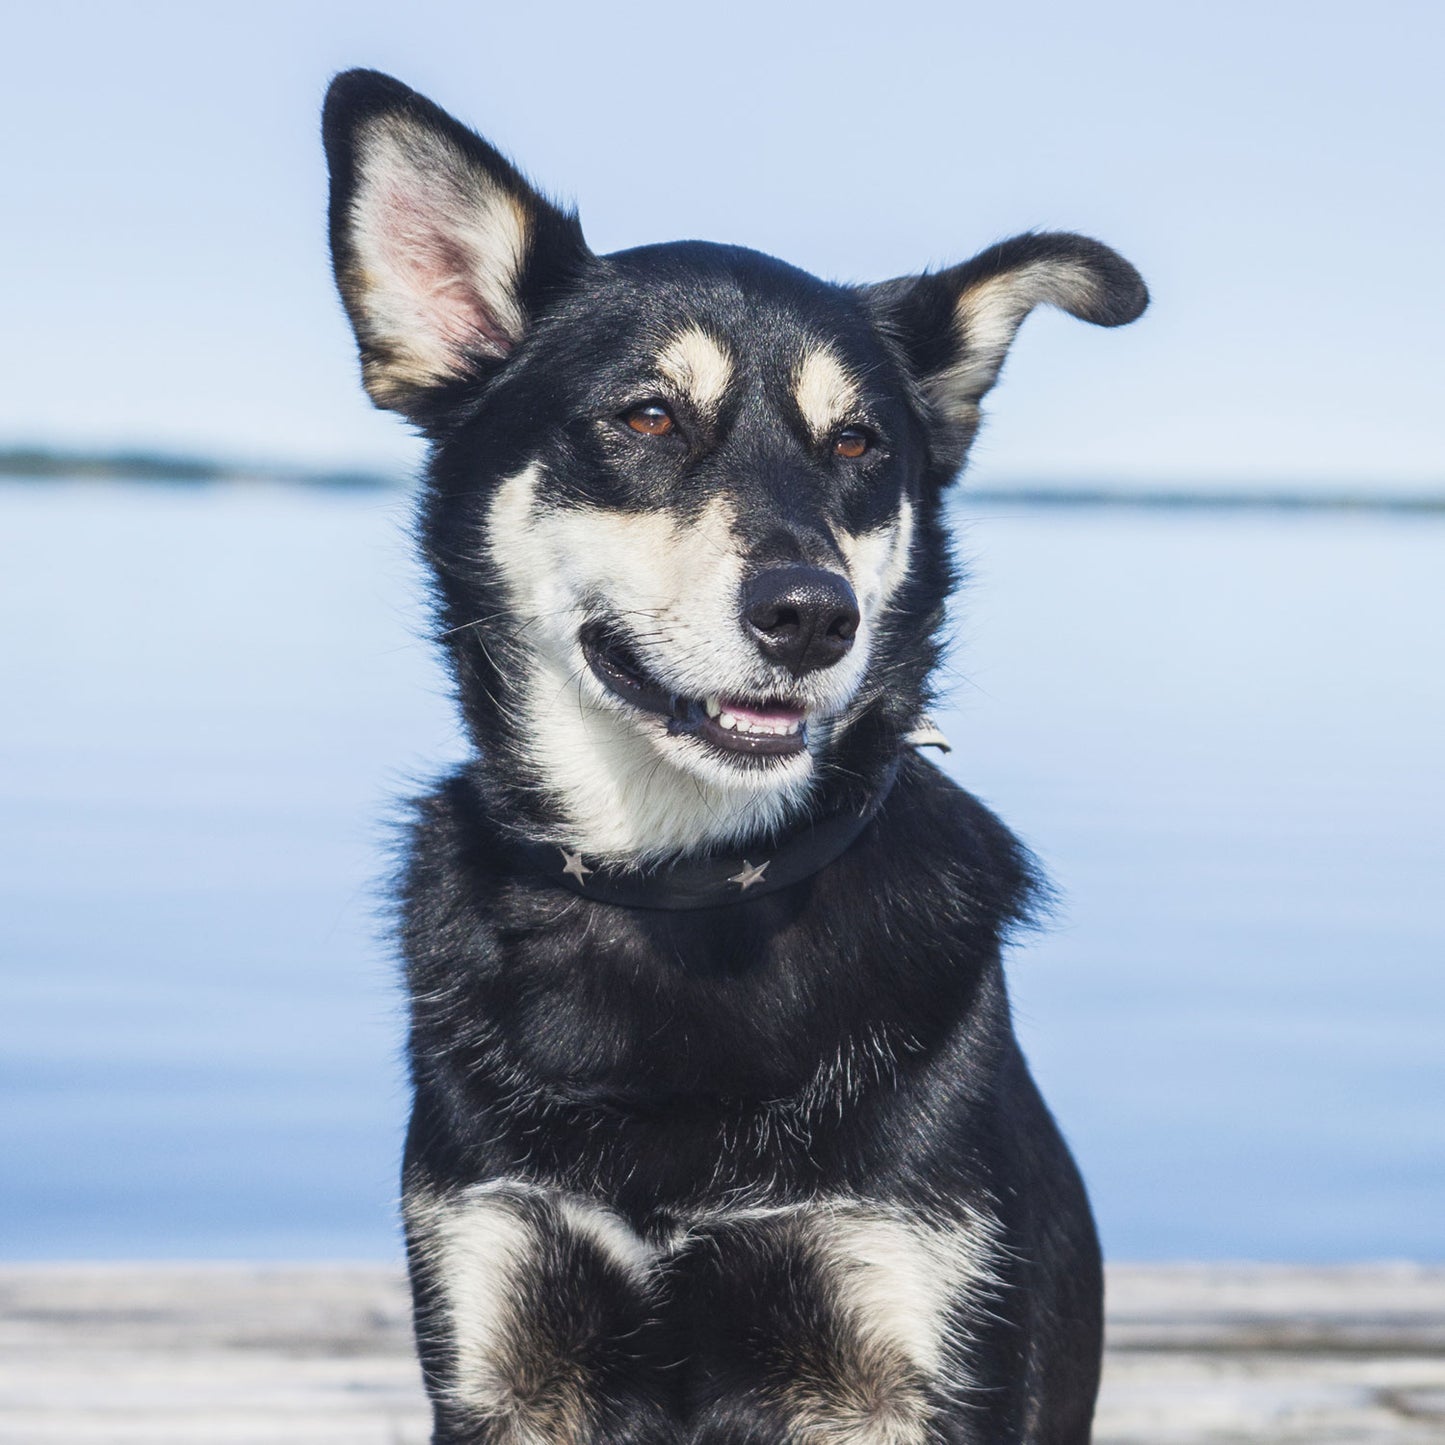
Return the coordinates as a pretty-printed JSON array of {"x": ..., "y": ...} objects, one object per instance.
[
  {"x": 1278, "y": 1354},
  {"x": 246, "y": 1355},
  {"x": 105, "y": 1354}
]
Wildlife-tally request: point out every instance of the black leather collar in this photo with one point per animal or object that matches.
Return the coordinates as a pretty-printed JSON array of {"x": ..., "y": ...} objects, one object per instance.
[{"x": 712, "y": 880}]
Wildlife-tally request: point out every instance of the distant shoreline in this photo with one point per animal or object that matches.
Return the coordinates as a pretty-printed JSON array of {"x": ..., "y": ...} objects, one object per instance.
[
  {"x": 1263, "y": 500},
  {"x": 164, "y": 469},
  {"x": 40, "y": 465}
]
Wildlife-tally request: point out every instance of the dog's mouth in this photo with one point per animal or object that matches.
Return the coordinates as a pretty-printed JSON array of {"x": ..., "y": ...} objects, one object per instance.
[{"x": 741, "y": 728}]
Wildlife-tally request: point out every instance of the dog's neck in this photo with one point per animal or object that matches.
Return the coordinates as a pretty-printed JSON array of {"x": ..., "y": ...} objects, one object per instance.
[{"x": 710, "y": 879}]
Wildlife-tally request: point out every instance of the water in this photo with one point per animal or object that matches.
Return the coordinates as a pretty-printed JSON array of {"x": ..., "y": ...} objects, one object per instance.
[{"x": 1222, "y": 734}]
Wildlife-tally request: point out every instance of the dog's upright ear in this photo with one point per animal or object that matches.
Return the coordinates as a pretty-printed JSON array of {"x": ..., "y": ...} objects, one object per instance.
[
  {"x": 955, "y": 327},
  {"x": 442, "y": 251}
]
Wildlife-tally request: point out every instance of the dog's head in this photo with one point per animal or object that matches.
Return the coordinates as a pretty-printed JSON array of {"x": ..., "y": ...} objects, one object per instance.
[{"x": 683, "y": 501}]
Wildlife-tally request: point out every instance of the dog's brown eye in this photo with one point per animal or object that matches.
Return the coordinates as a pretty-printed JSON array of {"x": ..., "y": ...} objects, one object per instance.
[
  {"x": 652, "y": 419},
  {"x": 852, "y": 442}
]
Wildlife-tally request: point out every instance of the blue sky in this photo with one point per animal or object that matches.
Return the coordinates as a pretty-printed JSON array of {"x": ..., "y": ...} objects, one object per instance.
[{"x": 1274, "y": 169}]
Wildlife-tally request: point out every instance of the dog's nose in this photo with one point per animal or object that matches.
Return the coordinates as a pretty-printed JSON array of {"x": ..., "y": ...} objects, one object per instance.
[{"x": 803, "y": 617}]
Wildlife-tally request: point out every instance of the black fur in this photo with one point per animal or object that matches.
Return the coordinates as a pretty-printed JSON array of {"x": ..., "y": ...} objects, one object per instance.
[{"x": 846, "y": 1039}]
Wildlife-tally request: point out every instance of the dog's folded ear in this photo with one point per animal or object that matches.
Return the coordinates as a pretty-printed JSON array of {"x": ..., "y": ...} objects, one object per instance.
[
  {"x": 443, "y": 253},
  {"x": 955, "y": 326}
]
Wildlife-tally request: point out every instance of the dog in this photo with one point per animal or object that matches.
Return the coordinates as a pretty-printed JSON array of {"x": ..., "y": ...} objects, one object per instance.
[{"x": 721, "y": 1133}]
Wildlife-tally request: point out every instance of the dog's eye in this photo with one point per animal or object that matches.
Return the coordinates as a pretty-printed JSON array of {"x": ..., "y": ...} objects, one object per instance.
[
  {"x": 652, "y": 419},
  {"x": 852, "y": 442}
]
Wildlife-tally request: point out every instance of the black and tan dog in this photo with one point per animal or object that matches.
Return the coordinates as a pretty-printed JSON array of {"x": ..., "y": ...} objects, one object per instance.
[{"x": 721, "y": 1132}]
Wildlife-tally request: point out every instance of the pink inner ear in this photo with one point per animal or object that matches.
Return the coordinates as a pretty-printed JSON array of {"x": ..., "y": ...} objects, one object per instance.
[{"x": 437, "y": 274}]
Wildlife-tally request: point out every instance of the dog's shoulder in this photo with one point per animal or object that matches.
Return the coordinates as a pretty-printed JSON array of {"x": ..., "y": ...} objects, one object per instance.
[
  {"x": 943, "y": 840},
  {"x": 453, "y": 862}
]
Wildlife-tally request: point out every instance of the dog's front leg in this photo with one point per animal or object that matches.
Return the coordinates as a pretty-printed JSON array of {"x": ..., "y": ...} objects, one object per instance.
[
  {"x": 536, "y": 1318},
  {"x": 835, "y": 1324}
]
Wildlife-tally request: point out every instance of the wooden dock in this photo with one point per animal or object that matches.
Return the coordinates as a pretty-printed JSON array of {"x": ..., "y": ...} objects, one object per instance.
[{"x": 246, "y": 1355}]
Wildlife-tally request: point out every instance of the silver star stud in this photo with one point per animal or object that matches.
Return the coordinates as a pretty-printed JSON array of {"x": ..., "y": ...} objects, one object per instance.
[
  {"x": 574, "y": 865},
  {"x": 750, "y": 875}
]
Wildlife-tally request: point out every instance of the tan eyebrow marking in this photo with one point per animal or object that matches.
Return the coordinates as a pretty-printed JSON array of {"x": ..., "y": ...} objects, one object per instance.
[
  {"x": 699, "y": 365},
  {"x": 825, "y": 390}
]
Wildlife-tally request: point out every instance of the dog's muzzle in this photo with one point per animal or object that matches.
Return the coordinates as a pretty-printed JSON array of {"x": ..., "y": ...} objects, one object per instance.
[
  {"x": 752, "y": 729},
  {"x": 801, "y": 619}
]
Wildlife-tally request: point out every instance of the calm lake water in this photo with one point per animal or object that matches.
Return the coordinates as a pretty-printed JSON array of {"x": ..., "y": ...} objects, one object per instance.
[{"x": 1222, "y": 733}]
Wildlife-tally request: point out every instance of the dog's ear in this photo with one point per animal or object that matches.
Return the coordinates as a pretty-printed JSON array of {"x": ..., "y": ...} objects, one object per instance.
[
  {"x": 442, "y": 251},
  {"x": 955, "y": 326}
]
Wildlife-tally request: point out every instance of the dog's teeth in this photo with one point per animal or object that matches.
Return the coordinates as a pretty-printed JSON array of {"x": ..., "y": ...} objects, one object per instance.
[
  {"x": 713, "y": 706},
  {"x": 758, "y": 727}
]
